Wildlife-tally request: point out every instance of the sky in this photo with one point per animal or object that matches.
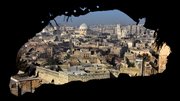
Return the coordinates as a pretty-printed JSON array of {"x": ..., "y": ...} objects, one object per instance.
[{"x": 99, "y": 17}]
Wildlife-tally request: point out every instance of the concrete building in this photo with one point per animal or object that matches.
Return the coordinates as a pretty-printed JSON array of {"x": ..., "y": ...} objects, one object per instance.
[
  {"x": 115, "y": 50},
  {"x": 121, "y": 33},
  {"x": 129, "y": 43}
]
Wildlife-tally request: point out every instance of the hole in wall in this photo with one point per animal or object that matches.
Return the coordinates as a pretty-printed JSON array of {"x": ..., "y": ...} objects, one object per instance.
[{"x": 100, "y": 43}]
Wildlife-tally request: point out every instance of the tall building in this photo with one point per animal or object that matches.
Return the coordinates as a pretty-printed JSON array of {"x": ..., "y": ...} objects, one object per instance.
[
  {"x": 140, "y": 65},
  {"x": 83, "y": 29},
  {"x": 121, "y": 33},
  {"x": 118, "y": 28}
]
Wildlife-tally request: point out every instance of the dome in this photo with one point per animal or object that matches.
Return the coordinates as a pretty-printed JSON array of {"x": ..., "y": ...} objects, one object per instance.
[{"x": 83, "y": 26}]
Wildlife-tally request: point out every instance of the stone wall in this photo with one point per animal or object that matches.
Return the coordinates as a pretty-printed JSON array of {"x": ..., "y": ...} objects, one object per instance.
[
  {"x": 164, "y": 52},
  {"x": 63, "y": 77},
  {"x": 131, "y": 71},
  {"x": 89, "y": 76},
  {"x": 20, "y": 87},
  {"x": 136, "y": 71},
  {"x": 49, "y": 75},
  {"x": 29, "y": 85}
]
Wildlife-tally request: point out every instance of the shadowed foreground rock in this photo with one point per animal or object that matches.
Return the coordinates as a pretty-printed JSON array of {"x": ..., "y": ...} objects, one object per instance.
[{"x": 24, "y": 19}]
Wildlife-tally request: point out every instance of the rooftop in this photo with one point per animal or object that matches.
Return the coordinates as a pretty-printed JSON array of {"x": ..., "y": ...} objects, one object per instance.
[{"x": 22, "y": 77}]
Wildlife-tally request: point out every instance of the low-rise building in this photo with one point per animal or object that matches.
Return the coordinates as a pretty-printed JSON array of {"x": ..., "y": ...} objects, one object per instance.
[{"x": 20, "y": 84}]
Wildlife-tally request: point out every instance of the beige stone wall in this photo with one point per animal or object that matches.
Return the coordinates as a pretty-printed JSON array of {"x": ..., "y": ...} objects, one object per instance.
[
  {"x": 131, "y": 71},
  {"x": 115, "y": 50},
  {"x": 89, "y": 76},
  {"x": 49, "y": 75},
  {"x": 25, "y": 86},
  {"x": 62, "y": 77},
  {"x": 164, "y": 52}
]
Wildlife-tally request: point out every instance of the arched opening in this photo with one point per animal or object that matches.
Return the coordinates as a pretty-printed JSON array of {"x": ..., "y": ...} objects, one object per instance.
[
  {"x": 30, "y": 19},
  {"x": 114, "y": 41}
]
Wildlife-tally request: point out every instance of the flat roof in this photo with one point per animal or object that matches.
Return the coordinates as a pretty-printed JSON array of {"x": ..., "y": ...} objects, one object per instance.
[{"x": 20, "y": 77}]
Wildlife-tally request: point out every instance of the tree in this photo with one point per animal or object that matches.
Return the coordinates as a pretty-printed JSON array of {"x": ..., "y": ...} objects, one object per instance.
[
  {"x": 52, "y": 61},
  {"x": 130, "y": 64}
]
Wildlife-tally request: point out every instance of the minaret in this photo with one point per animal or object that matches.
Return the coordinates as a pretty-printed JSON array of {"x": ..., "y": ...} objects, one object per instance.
[
  {"x": 119, "y": 31},
  {"x": 97, "y": 44},
  {"x": 141, "y": 66}
]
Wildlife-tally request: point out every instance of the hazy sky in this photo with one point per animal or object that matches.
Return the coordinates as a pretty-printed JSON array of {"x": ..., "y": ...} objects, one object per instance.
[{"x": 100, "y": 17}]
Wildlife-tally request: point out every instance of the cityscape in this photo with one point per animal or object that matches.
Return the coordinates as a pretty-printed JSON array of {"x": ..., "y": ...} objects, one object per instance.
[{"x": 63, "y": 53}]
